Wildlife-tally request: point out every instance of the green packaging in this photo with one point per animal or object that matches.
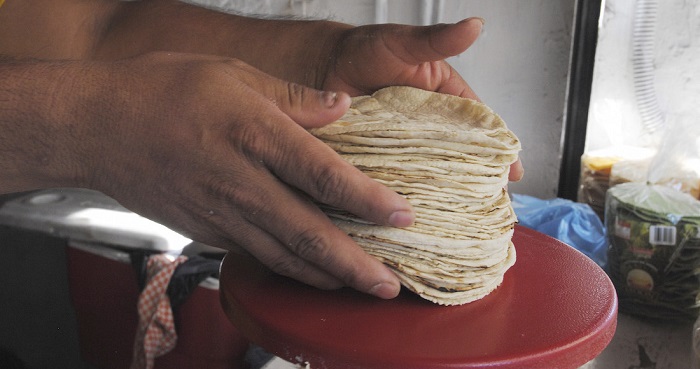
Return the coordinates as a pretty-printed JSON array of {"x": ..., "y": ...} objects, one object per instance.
[{"x": 654, "y": 254}]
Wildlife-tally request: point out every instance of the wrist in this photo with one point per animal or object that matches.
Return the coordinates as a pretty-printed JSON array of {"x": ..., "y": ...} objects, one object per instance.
[
  {"x": 299, "y": 51},
  {"x": 319, "y": 64},
  {"x": 292, "y": 50},
  {"x": 40, "y": 143}
]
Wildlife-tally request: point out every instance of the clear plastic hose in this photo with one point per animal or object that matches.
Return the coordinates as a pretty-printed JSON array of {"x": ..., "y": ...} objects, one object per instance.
[{"x": 643, "y": 34}]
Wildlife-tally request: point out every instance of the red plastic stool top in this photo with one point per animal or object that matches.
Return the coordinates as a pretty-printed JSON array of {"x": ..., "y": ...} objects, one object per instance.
[{"x": 555, "y": 309}]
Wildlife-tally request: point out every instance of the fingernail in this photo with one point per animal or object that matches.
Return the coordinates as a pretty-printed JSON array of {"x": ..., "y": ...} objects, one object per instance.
[
  {"x": 402, "y": 218},
  {"x": 329, "y": 98},
  {"x": 385, "y": 290},
  {"x": 482, "y": 20}
]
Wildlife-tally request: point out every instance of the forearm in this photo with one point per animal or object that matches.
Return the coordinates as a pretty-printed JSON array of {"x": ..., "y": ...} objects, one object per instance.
[
  {"x": 288, "y": 49},
  {"x": 53, "y": 29}
]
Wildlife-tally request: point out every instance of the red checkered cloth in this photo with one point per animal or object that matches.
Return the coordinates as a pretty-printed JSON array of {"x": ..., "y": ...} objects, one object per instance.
[{"x": 156, "y": 334}]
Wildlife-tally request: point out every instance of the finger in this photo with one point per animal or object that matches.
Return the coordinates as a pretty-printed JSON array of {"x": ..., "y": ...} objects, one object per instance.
[
  {"x": 300, "y": 241},
  {"x": 516, "y": 171},
  {"x": 225, "y": 229},
  {"x": 318, "y": 243},
  {"x": 233, "y": 216},
  {"x": 308, "y": 107},
  {"x": 321, "y": 173},
  {"x": 303, "y": 161},
  {"x": 270, "y": 251},
  {"x": 294, "y": 162}
]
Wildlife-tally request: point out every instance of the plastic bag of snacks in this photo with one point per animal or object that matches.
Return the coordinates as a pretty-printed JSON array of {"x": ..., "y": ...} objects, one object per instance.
[
  {"x": 629, "y": 171},
  {"x": 598, "y": 169},
  {"x": 654, "y": 255}
]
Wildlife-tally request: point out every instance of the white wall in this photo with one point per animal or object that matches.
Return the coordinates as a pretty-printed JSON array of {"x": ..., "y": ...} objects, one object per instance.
[{"x": 518, "y": 67}]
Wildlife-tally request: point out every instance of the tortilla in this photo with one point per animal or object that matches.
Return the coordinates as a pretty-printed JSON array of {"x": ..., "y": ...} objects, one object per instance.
[{"x": 450, "y": 157}]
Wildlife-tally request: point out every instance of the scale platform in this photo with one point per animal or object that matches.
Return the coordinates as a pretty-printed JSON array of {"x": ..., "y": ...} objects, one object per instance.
[{"x": 555, "y": 309}]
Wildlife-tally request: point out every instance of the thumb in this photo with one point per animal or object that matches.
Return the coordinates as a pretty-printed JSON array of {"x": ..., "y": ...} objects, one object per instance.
[{"x": 437, "y": 42}]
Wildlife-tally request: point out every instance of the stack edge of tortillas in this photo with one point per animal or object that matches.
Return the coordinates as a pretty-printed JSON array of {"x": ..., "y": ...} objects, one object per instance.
[{"x": 450, "y": 157}]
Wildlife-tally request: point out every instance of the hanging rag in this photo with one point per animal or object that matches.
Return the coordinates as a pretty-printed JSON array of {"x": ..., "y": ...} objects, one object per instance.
[{"x": 156, "y": 335}]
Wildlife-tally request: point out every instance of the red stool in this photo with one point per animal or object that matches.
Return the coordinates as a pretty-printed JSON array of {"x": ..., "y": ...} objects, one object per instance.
[
  {"x": 104, "y": 292},
  {"x": 555, "y": 308}
]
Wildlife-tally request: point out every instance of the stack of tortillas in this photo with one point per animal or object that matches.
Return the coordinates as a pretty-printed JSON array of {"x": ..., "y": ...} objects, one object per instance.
[{"x": 450, "y": 157}]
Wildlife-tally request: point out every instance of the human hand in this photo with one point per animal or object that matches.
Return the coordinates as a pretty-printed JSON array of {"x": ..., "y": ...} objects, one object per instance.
[
  {"x": 219, "y": 151},
  {"x": 367, "y": 58}
]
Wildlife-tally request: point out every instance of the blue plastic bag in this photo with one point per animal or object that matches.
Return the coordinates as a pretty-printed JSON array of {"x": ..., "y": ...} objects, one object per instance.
[{"x": 573, "y": 223}]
